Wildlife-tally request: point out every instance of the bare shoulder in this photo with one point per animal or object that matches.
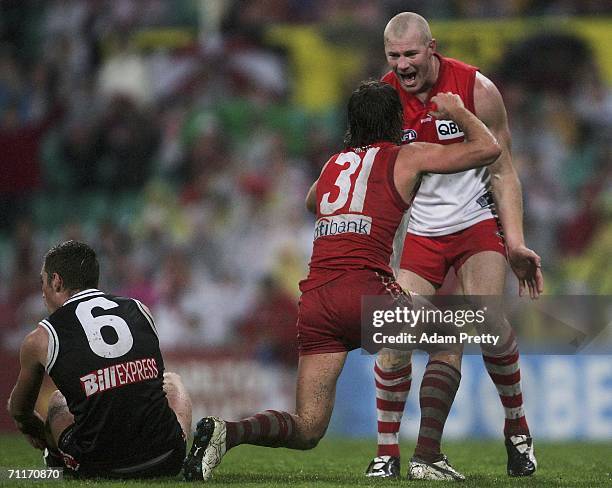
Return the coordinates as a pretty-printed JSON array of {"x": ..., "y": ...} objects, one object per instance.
[
  {"x": 34, "y": 346},
  {"x": 488, "y": 102}
]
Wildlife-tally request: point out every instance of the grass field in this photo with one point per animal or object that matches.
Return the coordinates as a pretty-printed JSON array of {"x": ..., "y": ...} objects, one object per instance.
[{"x": 338, "y": 462}]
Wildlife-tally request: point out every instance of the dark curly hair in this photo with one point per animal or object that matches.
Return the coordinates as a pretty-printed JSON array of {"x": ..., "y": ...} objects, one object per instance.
[{"x": 375, "y": 114}]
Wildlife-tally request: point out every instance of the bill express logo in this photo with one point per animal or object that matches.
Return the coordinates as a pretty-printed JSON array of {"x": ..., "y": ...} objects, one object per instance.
[
  {"x": 119, "y": 375},
  {"x": 447, "y": 129},
  {"x": 341, "y": 224}
]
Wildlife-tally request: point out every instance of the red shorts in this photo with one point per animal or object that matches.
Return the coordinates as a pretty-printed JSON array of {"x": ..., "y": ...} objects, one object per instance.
[
  {"x": 329, "y": 316},
  {"x": 432, "y": 257}
]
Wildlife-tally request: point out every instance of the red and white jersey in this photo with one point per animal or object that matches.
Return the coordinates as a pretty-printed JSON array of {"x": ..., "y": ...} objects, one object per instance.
[
  {"x": 451, "y": 202},
  {"x": 359, "y": 211}
]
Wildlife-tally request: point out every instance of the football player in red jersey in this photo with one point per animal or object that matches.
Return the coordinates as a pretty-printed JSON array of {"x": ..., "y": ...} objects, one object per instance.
[
  {"x": 360, "y": 199},
  {"x": 455, "y": 221}
]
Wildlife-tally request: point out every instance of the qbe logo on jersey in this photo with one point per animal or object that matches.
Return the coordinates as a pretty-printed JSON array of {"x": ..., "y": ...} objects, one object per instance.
[{"x": 447, "y": 129}]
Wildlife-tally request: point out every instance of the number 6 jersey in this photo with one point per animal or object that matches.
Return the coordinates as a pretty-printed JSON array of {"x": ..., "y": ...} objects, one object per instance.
[
  {"x": 359, "y": 211},
  {"x": 104, "y": 357}
]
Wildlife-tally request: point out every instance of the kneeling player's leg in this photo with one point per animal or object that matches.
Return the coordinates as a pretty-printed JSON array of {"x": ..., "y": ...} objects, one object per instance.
[
  {"x": 59, "y": 418},
  {"x": 316, "y": 389},
  {"x": 179, "y": 400},
  {"x": 315, "y": 395},
  {"x": 484, "y": 274}
]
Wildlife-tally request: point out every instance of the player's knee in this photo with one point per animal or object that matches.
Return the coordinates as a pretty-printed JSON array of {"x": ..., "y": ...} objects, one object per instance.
[
  {"x": 315, "y": 434},
  {"x": 57, "y": 401},
  {"x": 391, "y": 359},
  {"x": 452, "y": 358},
  {"x": 311, "y": 440},
  {"x": 171, "y": 376},
  {"x": 172, "y": 381},
  {"x": 311, "y": 443},
  {"x": 179, "y": 399}
]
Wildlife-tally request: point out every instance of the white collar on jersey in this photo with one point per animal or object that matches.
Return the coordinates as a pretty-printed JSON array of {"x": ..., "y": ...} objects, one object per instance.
[{"x": 90, "y": 292}]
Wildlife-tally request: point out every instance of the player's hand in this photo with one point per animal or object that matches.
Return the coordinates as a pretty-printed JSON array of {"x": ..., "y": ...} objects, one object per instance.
[
  {"x": 446, "y": 105},
  {"x": 33, "y": 427},
  {"x": 35, "y": 442},
  {"x": 527, "y": 267}
]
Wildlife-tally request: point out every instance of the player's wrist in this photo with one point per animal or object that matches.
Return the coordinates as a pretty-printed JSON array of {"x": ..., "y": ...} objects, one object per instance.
[
  {"x": 514, "y": 245},
  {"x": 29, "y": 424},
  {"x": 459, "y": 114}
]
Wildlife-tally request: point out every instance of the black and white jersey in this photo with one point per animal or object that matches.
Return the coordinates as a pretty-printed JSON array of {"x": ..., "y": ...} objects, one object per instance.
[{"x": 104, "y": 357}]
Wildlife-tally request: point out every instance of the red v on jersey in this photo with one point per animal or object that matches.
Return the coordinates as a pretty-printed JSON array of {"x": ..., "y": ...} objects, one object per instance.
[{"x": 445, "y": 203}]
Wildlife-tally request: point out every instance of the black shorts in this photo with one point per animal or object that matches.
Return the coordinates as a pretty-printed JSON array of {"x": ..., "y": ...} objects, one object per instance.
[{"x": 167, "y": 463}]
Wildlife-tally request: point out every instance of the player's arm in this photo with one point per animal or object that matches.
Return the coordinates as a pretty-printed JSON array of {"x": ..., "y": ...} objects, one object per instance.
[
  {"x": 311, "y": 198},
  {"x": 21, "y": 403},
  {"x": 506, "y": 188},
  {"x": 479, "y": 148}
]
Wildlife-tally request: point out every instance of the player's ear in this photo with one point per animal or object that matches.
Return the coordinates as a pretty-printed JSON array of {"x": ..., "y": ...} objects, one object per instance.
[
  {"x": 432, "y": 45},
  {"x": 57, "y": 283}
]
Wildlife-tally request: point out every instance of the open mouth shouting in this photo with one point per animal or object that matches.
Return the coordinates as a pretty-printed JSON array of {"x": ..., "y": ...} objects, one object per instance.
[{"x": 408, "y": 79}]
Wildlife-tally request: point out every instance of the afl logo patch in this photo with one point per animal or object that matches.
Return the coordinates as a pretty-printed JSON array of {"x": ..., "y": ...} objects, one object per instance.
[
  {"x": 447, "y": 129},
  {"x": 409, "y": 135}
]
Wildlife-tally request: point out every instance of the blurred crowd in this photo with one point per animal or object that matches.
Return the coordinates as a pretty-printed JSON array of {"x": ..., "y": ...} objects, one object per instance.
[{"x": 179, "y": 138}]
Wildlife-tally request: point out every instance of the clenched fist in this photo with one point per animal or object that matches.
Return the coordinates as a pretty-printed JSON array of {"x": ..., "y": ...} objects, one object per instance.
[{"x": 447, "y": 105}]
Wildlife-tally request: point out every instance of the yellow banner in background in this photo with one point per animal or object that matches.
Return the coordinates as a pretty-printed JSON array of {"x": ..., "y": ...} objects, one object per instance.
[
  {"x": 481, "y": 43},
  {"x": 318, "y": 66},
  {"x": 484, "y": 42},
  {"x": 322, "y": 70},
  {"x": 598, "y": 32}
]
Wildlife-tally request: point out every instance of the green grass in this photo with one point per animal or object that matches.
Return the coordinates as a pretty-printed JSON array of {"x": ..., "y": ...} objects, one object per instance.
[{"x": 338, "y": 462}]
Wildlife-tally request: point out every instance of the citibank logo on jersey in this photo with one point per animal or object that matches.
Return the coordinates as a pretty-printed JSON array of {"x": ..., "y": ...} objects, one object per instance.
[
  {"x": 447, "y": 129},
  {"x": 342, "y": 224}
]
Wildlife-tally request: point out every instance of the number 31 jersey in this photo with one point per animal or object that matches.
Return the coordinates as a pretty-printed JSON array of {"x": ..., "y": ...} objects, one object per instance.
[
  {"x": 359, "y": 211},
  {"x": 104, "y": 357}
]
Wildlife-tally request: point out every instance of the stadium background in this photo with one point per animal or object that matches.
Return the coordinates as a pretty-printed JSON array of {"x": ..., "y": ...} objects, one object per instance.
[{"x": 179, "y": 139}]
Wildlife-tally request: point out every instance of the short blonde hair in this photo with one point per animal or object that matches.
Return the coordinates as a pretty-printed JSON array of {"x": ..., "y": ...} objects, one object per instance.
[{"x": 403, "y": 23}]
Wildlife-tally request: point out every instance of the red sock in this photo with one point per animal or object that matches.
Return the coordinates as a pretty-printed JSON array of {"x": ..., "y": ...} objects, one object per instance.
[
  {"x": 392, "y": 388},
  {"x": 270, "y": 428},
  {"x": 506, "y": 374},
  {"x": 438, "y": 389}
]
